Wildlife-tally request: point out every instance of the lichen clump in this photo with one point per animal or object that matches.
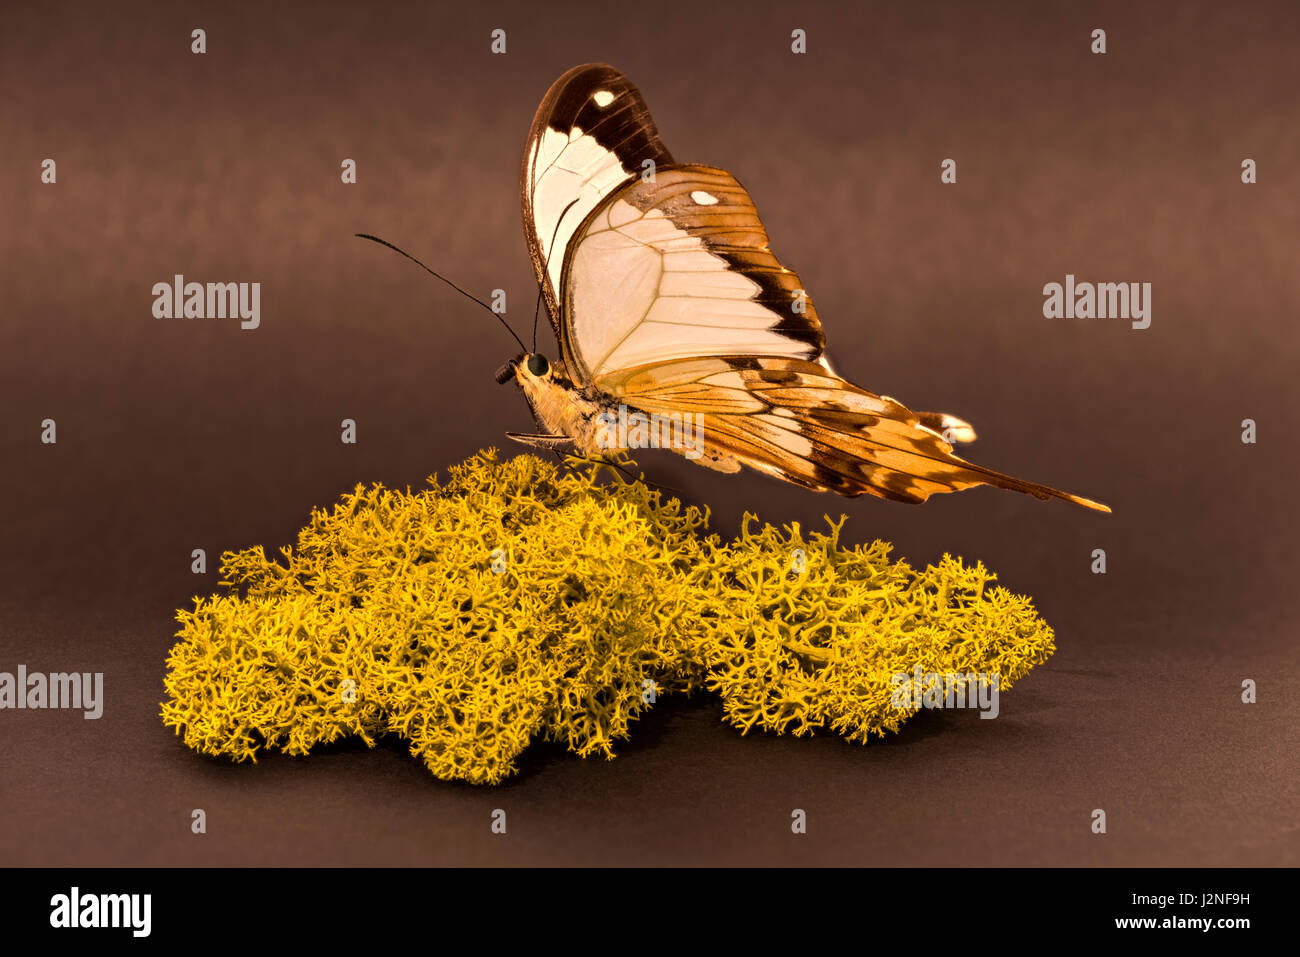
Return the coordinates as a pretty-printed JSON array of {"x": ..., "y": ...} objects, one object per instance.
[{"x": 519, "y": 600}]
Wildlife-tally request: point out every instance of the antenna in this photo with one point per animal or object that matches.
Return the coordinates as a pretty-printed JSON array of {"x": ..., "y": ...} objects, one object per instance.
[{"x": 499, "y": 317}]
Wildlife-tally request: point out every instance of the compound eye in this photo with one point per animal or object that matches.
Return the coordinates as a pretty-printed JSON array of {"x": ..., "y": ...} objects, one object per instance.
[{"x": 538, "y": 365}]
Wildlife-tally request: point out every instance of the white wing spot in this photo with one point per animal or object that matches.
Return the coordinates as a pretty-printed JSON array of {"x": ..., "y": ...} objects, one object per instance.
[
  {"x": 603, "y": 98},
  {"x": 703, "y": 198}
]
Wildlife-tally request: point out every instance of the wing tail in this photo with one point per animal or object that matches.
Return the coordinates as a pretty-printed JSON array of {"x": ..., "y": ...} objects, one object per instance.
[
  {"x": 890, "y": 458},
  {"x": 1036, "y": 489}
]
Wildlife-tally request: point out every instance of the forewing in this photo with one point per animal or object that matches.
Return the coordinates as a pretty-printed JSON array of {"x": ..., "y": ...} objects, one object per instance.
[
  {"x": 591, "y": 134},
  {"x": 680, "y": 268}
]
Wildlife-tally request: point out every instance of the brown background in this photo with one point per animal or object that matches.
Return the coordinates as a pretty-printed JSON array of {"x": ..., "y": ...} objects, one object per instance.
[{"x": 182, "y": 434}]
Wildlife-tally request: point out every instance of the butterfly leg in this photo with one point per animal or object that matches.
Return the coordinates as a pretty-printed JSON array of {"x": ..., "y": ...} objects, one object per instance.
[
  {"x": 567, "y": 458},
  {"x": 541, "y": 440},
  {"x": 556, "y": 443},
  {"x": 627, "y": 473}
]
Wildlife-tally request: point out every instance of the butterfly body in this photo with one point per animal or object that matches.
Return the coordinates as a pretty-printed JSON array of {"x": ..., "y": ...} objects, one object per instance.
[
  {"x": 591, "y": 422},
  {"x": 559, "y": 406},
  {"x": 675, "y": 320}
]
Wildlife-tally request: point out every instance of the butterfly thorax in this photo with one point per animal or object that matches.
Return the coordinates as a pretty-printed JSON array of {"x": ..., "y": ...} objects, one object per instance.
[{"x": 565, "y": 409}]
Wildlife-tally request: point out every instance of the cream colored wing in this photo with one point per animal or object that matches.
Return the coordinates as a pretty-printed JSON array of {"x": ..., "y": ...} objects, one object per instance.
[{"x": 679, "y": 268}]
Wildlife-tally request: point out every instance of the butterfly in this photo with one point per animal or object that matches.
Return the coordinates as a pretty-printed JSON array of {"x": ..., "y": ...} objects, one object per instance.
[{"x": 668, "y": 305}]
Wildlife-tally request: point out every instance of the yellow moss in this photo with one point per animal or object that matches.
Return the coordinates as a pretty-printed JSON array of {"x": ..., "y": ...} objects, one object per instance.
[
  {"x": 795, "y": 650},
  {"x": 519, "y": 601}
]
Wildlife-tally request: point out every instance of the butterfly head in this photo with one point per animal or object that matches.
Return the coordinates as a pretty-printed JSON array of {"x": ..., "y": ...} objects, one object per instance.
[
  {"x": 543, "y": 385},
  {"x": 526, "y": 368}
]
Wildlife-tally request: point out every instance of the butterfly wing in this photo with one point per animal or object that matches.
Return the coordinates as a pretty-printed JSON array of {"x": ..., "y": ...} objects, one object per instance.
[
  {"x": 592, "y": 134},
  {"x": 796, "y": 420},
  {"x": 678, "y": 268},
  {"x": 664, "y": 293}
]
